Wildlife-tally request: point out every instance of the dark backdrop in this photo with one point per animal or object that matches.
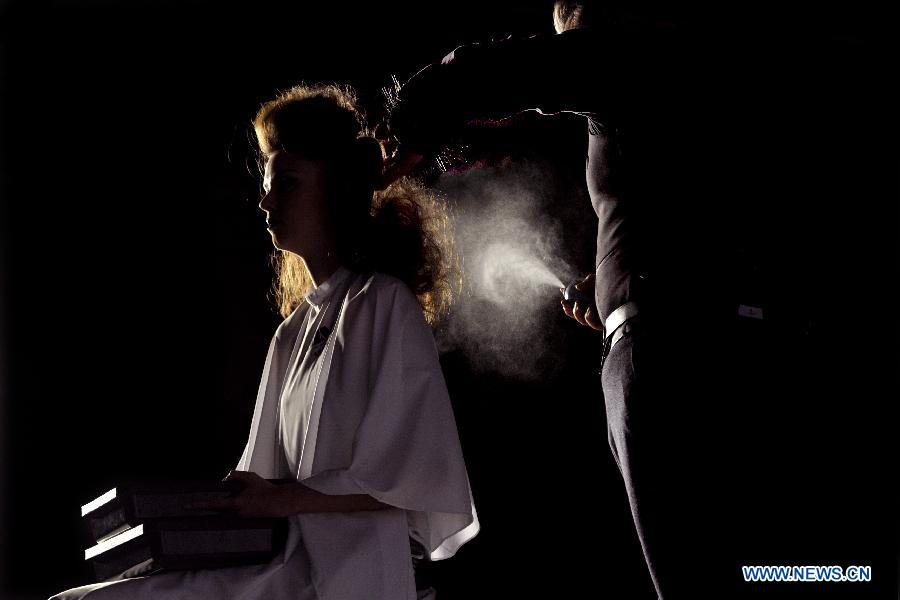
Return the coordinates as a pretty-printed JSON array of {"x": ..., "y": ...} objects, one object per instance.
[{"x": 135, "y": 282}]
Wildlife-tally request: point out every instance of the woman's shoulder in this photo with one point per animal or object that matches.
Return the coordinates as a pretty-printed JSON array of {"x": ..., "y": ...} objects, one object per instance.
[
  {"x": 385, "y": 283},
  {"x": 387, "y": 291}
]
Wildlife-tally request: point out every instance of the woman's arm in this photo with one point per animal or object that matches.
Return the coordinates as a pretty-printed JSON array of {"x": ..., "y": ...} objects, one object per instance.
[
  {"x": 300, "y": 499},
  {"x": 261, "y": 498}
]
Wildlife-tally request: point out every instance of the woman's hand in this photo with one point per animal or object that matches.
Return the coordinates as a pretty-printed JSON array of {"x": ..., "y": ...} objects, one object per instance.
[
  {"x": 585, "y": 315},
  {"x": 257, "y": 498}
]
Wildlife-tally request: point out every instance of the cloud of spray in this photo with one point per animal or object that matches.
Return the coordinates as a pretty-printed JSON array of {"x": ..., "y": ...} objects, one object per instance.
[
  {"x": 508, "y": 269},
  {"x": 513, "y": 260}
]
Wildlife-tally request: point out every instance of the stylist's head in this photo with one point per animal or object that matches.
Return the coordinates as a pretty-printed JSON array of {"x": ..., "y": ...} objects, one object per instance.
[
  {"x": 319, "y": 172},
  {"x": 582, "y": 14}
]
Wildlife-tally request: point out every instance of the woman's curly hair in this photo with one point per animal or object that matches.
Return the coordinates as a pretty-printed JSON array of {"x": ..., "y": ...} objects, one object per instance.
[{"x": 403, "y": 231}]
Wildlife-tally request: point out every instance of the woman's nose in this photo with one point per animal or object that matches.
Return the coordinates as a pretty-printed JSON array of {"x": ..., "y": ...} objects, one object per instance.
[{"x": 265, "y": 204}]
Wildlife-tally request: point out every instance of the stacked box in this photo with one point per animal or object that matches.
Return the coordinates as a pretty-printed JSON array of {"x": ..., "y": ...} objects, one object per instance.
[{"x": 141, "y": 529}]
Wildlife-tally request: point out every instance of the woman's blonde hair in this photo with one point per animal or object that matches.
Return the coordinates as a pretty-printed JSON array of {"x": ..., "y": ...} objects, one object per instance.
[{"x": 403, "y": 231}]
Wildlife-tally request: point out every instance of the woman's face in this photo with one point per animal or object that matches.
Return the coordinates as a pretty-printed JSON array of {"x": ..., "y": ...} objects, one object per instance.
[{"x": 296, "y": 206}]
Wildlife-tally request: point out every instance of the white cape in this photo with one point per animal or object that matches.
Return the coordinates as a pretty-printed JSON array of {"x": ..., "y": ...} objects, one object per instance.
[
  {"x": 381, "y": 425},
  {"x": 385, "y": 428}
]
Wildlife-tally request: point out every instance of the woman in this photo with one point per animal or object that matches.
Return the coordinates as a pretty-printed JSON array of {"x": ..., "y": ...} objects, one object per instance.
[{"x": 352, "y": 403}]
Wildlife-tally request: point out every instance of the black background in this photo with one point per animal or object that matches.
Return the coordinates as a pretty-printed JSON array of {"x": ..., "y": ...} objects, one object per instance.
[{"x": 135, "y": 285}]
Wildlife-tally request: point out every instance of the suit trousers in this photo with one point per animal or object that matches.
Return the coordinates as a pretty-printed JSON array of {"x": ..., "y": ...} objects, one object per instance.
[{"x": 662, "y": 401}]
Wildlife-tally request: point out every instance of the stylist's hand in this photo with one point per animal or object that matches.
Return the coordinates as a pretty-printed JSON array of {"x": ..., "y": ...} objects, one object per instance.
[
  {"x": 399, "y": 164},
  {"x": 258, "y": 498},
  {"x": 585, "y": 315},
  {"x": 400, "y": 160}
]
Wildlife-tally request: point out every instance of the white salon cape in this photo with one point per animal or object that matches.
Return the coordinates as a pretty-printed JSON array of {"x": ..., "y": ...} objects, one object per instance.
[{"x": 352, "y": 401}]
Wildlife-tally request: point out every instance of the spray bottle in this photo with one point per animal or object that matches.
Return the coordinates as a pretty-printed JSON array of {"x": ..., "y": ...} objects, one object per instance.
[{"x": 572, "y": 295}]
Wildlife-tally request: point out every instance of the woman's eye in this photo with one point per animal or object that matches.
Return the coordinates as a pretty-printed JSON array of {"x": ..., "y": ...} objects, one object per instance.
[{"x": 284, "y": 182}]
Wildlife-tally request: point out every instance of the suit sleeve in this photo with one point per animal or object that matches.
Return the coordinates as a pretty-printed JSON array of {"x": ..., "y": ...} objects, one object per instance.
[{"x": 497, "y": 80}]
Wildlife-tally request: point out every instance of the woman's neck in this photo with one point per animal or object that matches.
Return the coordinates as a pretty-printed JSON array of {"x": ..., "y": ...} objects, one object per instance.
[{"x": 321, "y": 267}]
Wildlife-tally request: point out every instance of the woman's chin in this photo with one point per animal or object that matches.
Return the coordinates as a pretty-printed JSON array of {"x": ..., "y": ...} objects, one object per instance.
[{"x": 276, "y": 240}]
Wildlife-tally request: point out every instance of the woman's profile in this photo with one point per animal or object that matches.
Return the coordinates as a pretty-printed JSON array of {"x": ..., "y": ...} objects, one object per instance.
[{"x": 352, "y": 404}]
